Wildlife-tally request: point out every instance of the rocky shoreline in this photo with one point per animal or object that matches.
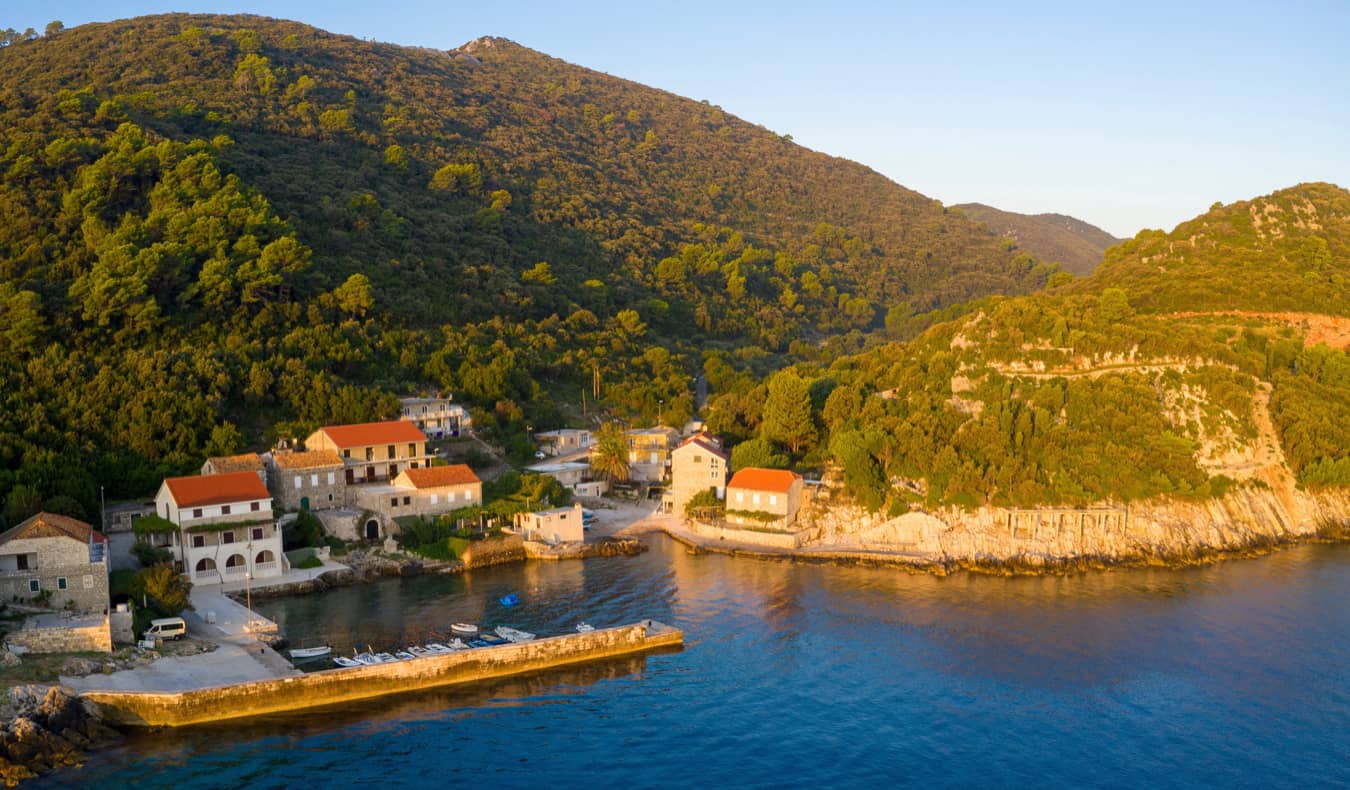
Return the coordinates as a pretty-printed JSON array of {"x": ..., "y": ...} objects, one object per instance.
[{"x": 47, "y": 729}]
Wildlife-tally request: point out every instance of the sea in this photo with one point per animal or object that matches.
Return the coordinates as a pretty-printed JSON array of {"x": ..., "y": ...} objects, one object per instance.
[{"x": 1235, "y": 674}]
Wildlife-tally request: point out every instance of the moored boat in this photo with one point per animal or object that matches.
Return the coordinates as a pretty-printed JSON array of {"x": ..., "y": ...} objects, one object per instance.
[
  {"x": 419, "y": 651},
  {"x": 343, "y": 661},
  {"x": 514, "y": 634},
  {"x": 367, "y": 659},
  {"x": 585, "y": 628},
  {"x": 304, "y": 653},
  {"x": 404, "y": 655},
  {"x": 510, "y": 599},
  {"x": 464, "y": 628},
  {"x": 385, "y": 658}
]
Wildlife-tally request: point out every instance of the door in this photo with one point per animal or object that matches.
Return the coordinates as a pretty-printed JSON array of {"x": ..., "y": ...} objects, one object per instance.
[
  {"x": 304, "y": 503},
  {"x": 351, "y": 475},
  {"x": 372, "y": 530}
]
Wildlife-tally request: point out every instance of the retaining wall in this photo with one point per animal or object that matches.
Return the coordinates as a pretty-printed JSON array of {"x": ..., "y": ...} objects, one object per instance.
[
  {"x": 779, "y": 540},
  {"x": 155, "y": 709},
  {"x": 82, "y": 637}
]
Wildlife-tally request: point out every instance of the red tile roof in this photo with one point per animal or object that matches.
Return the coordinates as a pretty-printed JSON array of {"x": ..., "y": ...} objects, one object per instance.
[
  {"x": 369, "y": 434},
  {"x": 756, "y": 479},
  {"x": 708, "y": 443},
  {"x": 236, "y": 463},
  {"x": 437, "y": 476},
  {"x": 50, "y": 525},
  {"x": 216, "y": 489}
]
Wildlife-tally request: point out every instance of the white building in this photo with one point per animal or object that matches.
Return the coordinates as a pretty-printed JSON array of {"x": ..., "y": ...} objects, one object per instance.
[
  {"x": 438, "y": 418},
  {"x": 226, "y": 522}
]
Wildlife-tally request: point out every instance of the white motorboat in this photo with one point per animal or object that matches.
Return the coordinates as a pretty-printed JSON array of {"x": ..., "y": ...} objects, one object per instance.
[
  {"x": 456, "y": 644},
  {"x": 514, "y": 634},
  {"x": 404, "y": 655},
  {"x": 305, "y": 653},
  {"x": 385, "y": 658},
  {"x": 368, "y": 659},
  {"x": 435, "y": 649},
  {"x": 585, "y": 628},
  {"x": 419, "y": 651},
  {"x": 343, "y": 661},
  {"x": 468, "y": 629}
]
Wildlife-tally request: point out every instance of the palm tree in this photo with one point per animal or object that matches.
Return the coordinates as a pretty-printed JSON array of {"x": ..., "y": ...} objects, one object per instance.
[{"x": 609, "y": 456}]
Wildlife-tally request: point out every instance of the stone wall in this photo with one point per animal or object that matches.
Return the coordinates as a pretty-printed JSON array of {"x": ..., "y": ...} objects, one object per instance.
[
  {"x": 314, "y": 486},
  {"x": 53, "y": 562},
  {"x": 777, "y": 540},
  {"x": 494, "y": 551},
  {"x": 80, "y": 636},
  {"x": 154, "y": 709},
  {"x": 349, "y": 525},
  {"x": 122, "y": 627}
]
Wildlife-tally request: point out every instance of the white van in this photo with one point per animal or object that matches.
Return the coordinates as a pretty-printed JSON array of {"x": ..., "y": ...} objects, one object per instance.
[{"x": 166, "y": 628}]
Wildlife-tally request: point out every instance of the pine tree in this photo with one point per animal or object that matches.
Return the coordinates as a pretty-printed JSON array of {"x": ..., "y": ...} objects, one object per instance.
[{"x": 787, "y": 411}]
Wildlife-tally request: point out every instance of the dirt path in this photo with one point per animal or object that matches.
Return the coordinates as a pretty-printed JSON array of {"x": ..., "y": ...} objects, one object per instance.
[{"x": 1330, "y": 329}]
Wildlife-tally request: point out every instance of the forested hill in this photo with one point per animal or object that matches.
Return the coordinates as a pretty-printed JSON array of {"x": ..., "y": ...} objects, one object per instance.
[
  {"x": 1190, "y": 362},
  {"x": 1075, "y": 245},
  {"x": 219, "y": 230}
]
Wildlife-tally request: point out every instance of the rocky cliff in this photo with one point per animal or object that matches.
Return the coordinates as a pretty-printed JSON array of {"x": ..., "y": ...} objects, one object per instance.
[{"x": 1250, "y": 518}]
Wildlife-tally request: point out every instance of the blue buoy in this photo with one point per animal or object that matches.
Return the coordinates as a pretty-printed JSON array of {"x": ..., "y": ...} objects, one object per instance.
[{"x": 510, "y": 600}]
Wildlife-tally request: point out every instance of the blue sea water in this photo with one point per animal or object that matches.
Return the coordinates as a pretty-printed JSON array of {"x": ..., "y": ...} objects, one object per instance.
[{"x": 1232, "y": 675}]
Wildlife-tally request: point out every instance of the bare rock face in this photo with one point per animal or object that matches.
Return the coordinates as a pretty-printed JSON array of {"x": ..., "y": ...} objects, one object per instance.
[
  {"x": 50, "y": 731},
  {"x": 8, "y": 659}
]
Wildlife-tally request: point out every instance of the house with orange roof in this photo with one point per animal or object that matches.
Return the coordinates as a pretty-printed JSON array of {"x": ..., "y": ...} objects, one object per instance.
[
  {"x": 425, "y": 491},
  {"x": 58, "y": 558},
  {"x": 764, "y": 497},
  {"x": 697, "y": 464},
  {"x": 225, "y": 530},
  {"x": 307, "y": 480},
  {"x": 373, "y": 451}
]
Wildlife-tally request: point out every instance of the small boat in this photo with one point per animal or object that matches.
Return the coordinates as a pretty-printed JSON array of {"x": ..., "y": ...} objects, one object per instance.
[
  {"x": 306, "y": 653},
  {"x": 510, "y": 599},
  {"x": 491, "y": 639},
  {"x": 434, "y": 649},
  {"x": 456, "y": 644},
  {"x": 367, "y": 659},
  {"x": 343, "y": 661},
  {"x": 404, "y": 655},
  {"x": 419, "y": 651},
  {"x": 479, "y": 643},
  {"x": 464, "y": 628},
  {"x": 386, "y": 658},
  {"x": 513, "y": 634},
  {"x": 585, "y": 628}
]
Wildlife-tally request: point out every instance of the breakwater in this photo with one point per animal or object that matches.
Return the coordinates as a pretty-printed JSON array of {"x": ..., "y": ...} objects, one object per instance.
[{"x": 257, "y": 698}]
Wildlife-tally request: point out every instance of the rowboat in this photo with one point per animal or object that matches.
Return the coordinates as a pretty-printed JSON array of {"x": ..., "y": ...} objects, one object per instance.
[
  {"x": 343, "y": 661},
  {"x": 464, "y": 628},
  {"x": 385, "y": 658},
  {"x": 419, "y": 651},
  {"x": 368, "y": 659},
  {"x": 435, "y": 649},
  {"x": 305, "y": 653},
  {"x": 585, "y": 628},
  {"x": 513, "y": 634},
  {"x": 404, "y": 655}
]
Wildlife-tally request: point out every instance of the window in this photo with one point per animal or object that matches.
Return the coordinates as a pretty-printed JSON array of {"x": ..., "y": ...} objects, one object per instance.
[
  {"x": 224, "y": 510},
  {"x": 393, "y": 501},
  {"x": 698, "y": 459},
  {"x": 450, "y": 497},
  {"x": 370, "y": 453},
  {"x": 755, "y": 498},
  {"x": 34, "y": 585},
  {"x": 414, "y": 465},
  {"x": 407, "y": 500},
  {"x": 435, "y": 499},
  {"x": 314, "y": 480},
  {"x": 297, "y": 481},
  {"x": 330, "y": 497},
  {"x": 391, "y": 451},
  {"x": 740, "y": 496},
  {"x": 346, "y": 453},
  {"x": 22, "y": 560},
  {"x": 332, "y": 478},
  {"x": 254, "y": 506},
  {"x": 773, "y": 499},
  {"x": 61, "y": 583},
  {"x": 198, "y": 541},
  {"x": 227, "y": 537},
  {"x": 412, "y": 450},
  {"x": 196, "y": 512},
  {"x": 257, "y": 533}
]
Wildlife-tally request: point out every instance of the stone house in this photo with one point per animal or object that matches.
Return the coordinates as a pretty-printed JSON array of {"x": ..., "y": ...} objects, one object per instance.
[
  {"x": 226, "y": 523},
  {"x": 425, "y": 491},
  {"x": 244, "y": 462},
  {"x": 649, "y": 453},
  {"x": 698, "y": 464},
  {"x": 559, "y": 525},
  {"x": 308, "y": 480},
  {"x": 754, "y": 493},
  {"x": 119, "y": 520},
  {"x": 438, "y": 418},
  {"x": 374, "y": 451},
  {"x": 56, "y": 555}
]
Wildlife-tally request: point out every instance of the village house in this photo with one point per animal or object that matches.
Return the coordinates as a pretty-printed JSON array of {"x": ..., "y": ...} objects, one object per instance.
[
  {"x": 373, "y": 451},
  {"x": 575, "y": 476},
  {"x": 438, "y": 418},
  {"x": 698, "y": 464},
  {"x": 425, "y": 491},
  {"x": 564, "y": 441},
  {"x": 119, "y": 520},
  {"x": 226, "y": 522},
  {"x": 58, "y": 558},
  {"x": 649, "y": 453},
  {"x": 244, "y": 462},
  {"x": 308, "y": 480},
  {"x": 764, "y": 498},
  {"x": 559, "y": 525}
]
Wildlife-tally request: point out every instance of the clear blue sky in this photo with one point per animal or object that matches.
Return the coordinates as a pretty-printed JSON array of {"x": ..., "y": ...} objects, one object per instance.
[{"x": 1137, "y": 116}]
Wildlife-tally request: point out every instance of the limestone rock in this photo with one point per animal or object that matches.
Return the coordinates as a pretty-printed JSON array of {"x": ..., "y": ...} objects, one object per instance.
[{"x": 8, "y": 659}]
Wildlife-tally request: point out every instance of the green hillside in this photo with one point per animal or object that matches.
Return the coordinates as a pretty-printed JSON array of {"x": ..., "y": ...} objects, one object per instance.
[
  {"x": 1077, "y": 246},
  {"x": 1189, "y": 362},
  {"x": 219, "y": 230}
]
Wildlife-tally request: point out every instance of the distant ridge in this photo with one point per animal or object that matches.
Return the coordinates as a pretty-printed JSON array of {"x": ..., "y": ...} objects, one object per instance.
[{"x": 1074, "y": 244}]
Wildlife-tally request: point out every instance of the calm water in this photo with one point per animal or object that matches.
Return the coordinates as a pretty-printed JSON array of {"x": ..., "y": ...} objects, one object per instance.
[{"x": 1232, "y": 675}]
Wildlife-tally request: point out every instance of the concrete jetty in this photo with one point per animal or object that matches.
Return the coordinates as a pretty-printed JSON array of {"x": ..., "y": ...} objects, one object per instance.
[{"x": 327, "y": 687}]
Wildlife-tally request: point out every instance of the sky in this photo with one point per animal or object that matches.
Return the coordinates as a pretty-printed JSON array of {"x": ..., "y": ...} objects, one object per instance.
[{"x": 1138, "y": 115}]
